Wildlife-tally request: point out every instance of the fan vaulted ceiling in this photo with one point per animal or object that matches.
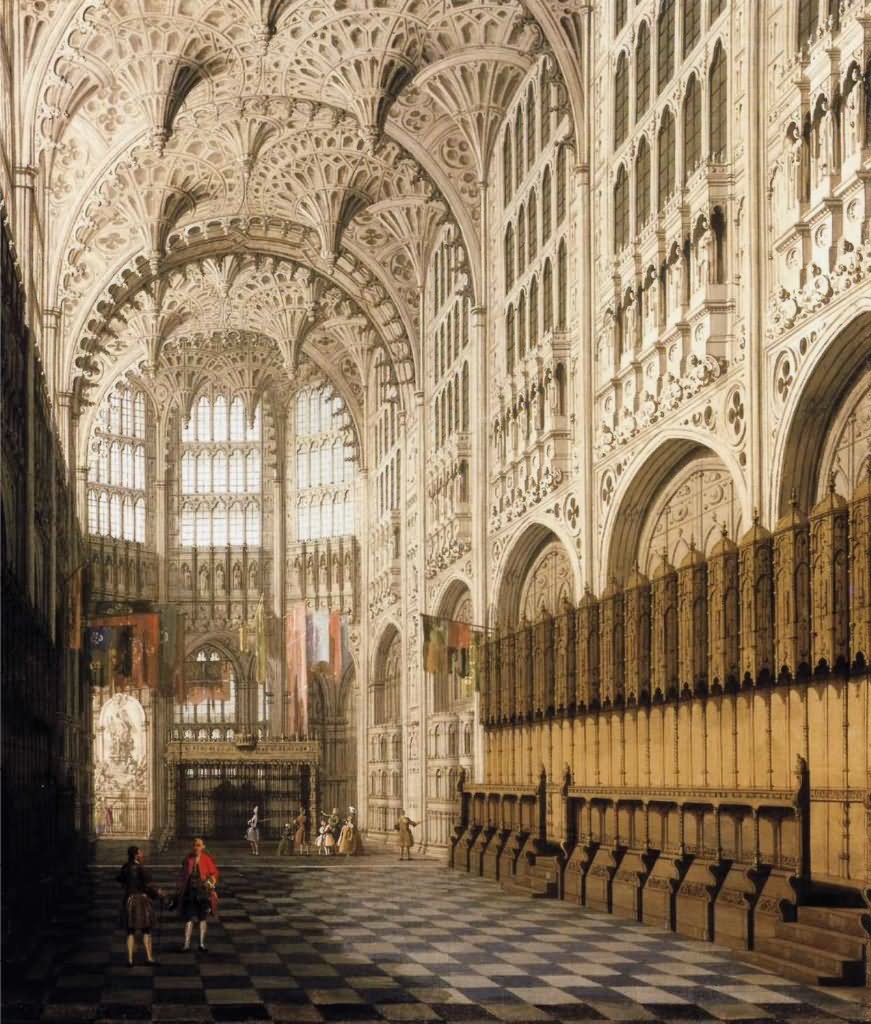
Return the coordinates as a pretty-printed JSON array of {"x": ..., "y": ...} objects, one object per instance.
[{"x": 277, "y": 167}]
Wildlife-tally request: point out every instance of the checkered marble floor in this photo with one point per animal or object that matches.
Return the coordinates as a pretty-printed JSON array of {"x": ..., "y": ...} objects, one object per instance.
[{"x": 373, "y": 939}]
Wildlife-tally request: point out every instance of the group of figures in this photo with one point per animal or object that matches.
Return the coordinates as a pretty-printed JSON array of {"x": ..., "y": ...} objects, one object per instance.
[
  {"x": 339, "y": 837},
  {"x": 195, "y": 897},
  {"x": 292, "y": 837}
]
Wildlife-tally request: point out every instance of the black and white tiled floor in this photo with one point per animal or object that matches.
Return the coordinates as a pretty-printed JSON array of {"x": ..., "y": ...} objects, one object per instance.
[{"x": 375, "y": 940}]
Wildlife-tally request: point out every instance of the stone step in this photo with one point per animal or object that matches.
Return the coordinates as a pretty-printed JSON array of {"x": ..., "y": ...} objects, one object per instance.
[
  {"x": 835, "y": 969},
  {"x": 528, "y": 886},
  {"x": 835, "y": 942},
  {"x": 843, "y": 921},
  {"x": 782, "y": 968}
]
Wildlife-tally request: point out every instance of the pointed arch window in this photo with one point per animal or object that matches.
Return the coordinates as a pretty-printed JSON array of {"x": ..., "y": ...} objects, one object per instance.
[
  {"x": 621, "y": 100},
  {"x": 533, "y": 313},
  {"x": 665, "y": 158},
  {"x": 561, "y": 172},
  {"x": 807, "y": 19},
  {"x": 521, "y": 326},
  {"x": 562, "y": 285},
  {"x": 621, "y": 209},
  {"x": 544, "y": 100},
  {"x": 642, "y": 184},
  {"x": 530, "y": 126},
  {"x": 620, "y": 7},
  {"x": 546, "y": 209},
  {"x": 718, "y": 106},
  {"x": 465, "y": 410},
  {"x": 665, "y": 45},
  {"x": 532, "y": 225},
  {"x": 518, "y": 147},
  {"x": 116, "y": 465},
  {"x": 692, "y": 25},
  {"x": 509, "y": 339},
  {"x": 507, "y": 173},
  {"x": 642, "y": 71},
  {"x": 547, "y": 296},
  {"x": 692, "y": 127},
  {"x": 509, "y": 257},
  {"x": 521, "y": 241}
]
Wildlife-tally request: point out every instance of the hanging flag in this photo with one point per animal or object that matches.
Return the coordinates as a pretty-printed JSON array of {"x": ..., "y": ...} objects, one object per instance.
[
  {"x": 435, "y": 646},
  {"x": 475, "y": 663},
  {"x": 128, "y": 650},
  {"x": 296, "y": 703},
  {"x": 172, "y": 646},
  {"x": 319, "y": 640},
  {"x": 459, "y": 641}
]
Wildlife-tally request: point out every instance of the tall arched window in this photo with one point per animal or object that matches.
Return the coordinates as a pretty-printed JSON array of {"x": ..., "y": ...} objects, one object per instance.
[
  {"x": 561, "y": 172},
  {"x": 562, "y": 285},
  {"x": 509, "y": 257},
  {"x": 808, "y": 18},
  {"x": 507, "y": 171},
  {"x": 116, "y": 467},
  {"x": 621, "y": 100},
  {"x": 642, "y": 71},
  {"x": 325, "y": 468},
  {"x": 621, "y": 209},
  {"x": 532, "y": 225},
  {"x": 465, "y": 411},
  {"x": 665, "y": 45},
  {"x": 533, "y": 313},
  {"x": 544, "y": 100},
  {"x": 546, "y": 209},
  {"x": 521, "y": 241},
  {"x": 547, "y": 289},
  {"x": 665, "y": 159},
  {"x": 692, "y": 127},
  {"x": 619, "y": 15},
  {"x": 642, "y": 184},
  {"x": 530, "y": 126},
  {"x": 518, "y": 147},
  {"x": 692, "y": 24},
  {"x": 509, "y": 339},
  {"x": 521, "y": 326},
  {"x": 718, "y": 106},
  {"x": 220, "y": 458}
]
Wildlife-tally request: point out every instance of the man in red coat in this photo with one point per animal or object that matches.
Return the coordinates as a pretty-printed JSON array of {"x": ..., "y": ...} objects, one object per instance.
[{"x": 196, "y": 888}]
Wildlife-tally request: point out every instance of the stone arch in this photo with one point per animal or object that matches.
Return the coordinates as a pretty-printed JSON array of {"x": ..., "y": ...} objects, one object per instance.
[
  {"x": 454, "y": 593},
  {"x": 815, "y": 400},
  {"x": 636, "y": 495},
  {"x": 386, "y": 677},
  {"x": 521, "y": 560}
]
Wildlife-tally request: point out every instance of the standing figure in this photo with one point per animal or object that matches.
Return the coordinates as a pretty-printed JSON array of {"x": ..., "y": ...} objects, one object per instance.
[
  {"x": 329, "y": 838},
  {"x": 286, "y": 836},
  {"x": 299, "y": 841},
  {"x": 321, "y": 840},
  {"x": 406, "y": 839},
  {"x": 253, "y": 833},
  {"x": 196, "y": 893},
  {"x": 137, "y": 910},
  {"x": 346, "y": 838}
]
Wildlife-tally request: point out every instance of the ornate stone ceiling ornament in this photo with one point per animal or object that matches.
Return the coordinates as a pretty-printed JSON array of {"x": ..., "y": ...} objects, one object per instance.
[{"x": 262, "y": 165}]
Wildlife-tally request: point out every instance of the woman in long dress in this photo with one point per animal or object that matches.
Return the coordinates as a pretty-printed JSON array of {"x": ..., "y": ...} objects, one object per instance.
[
  {"x": 197, "y": 898},
  {"x": 253, "y": 833}
]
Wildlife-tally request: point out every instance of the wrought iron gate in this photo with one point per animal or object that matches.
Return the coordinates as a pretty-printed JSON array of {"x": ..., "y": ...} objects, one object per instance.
[{"x": 215, "y": 800}]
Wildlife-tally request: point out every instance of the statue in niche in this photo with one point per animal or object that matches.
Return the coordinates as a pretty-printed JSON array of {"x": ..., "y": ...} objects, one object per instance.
[
  {"x": 219, "y": 579},
  {"x": 186, "y": 577},
  {"x": 252, "y": 576},
  {"x": 797, "y": 164},
  {"x": 852, "y": 119},
  {"x": 204, "y": 582},
  {"x": 323, "y": 574},
  {"x": 826, "y": 130},
  {"x": 237, "y": 576},
  {"x": 703, "y": 258},
  {"x": 630, "y": 323},
  {"x": 310, "y": 574}
]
